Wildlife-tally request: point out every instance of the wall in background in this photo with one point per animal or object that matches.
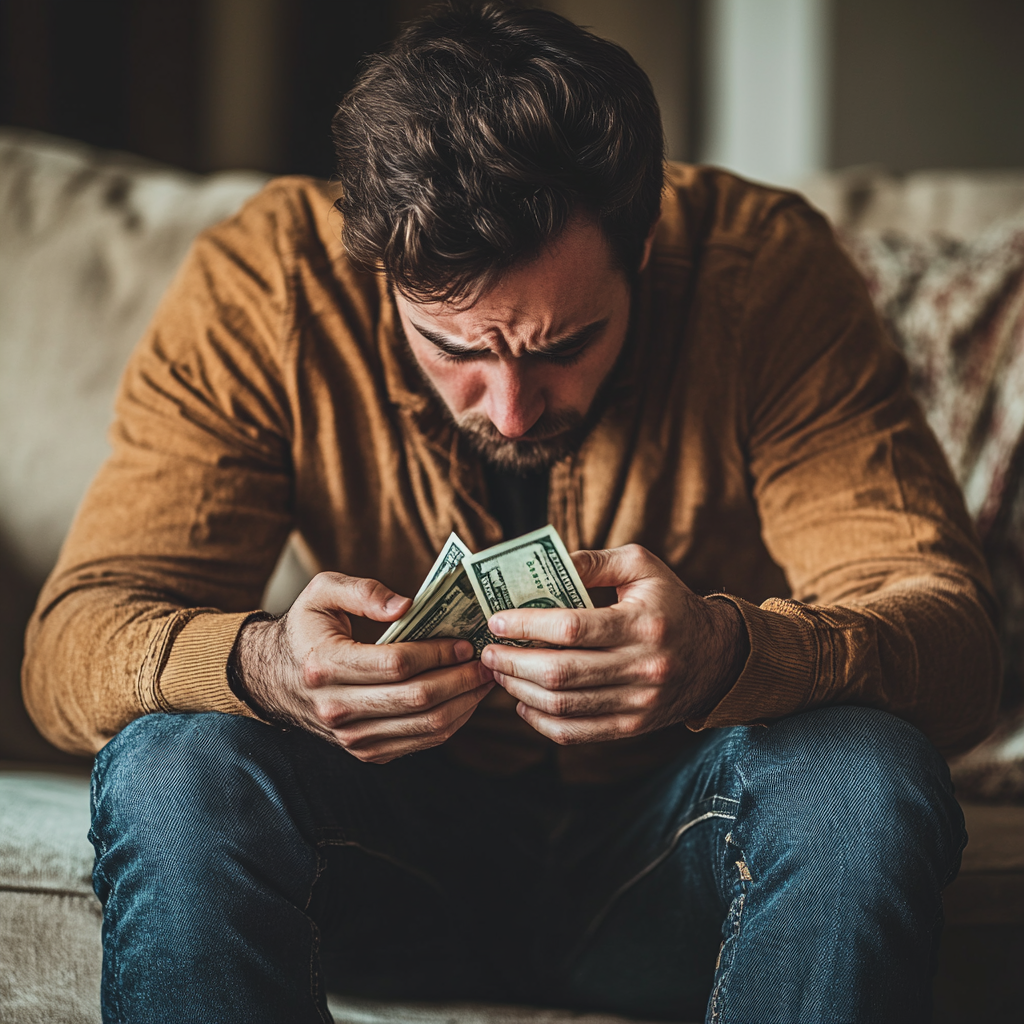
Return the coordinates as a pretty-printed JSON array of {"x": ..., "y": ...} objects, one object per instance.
[
  {"x": 927, "y": 83},
  {"x": 771, "y": 88},
  {"x": 202, "y": 84},
  {"x": 664, "y": 37},
  {"x": 766, "y": 87}
]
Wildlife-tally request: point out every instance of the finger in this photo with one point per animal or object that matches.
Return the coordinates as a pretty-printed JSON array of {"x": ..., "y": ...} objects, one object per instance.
[
  {"x": 348, "y": 662},
  {"x": 607, "y": 700},
  {"x": 435, "y": 722},
  {"x": 572, "y": 731},
  {"x": 566, "y": 627},
  {"x": 564, "y": 670},
  {"x": 334, "y": 591},
  {"x": 387, "y": 750},
  {"x": 338, "y": 705},
  {"x": 615, "y": 567}
]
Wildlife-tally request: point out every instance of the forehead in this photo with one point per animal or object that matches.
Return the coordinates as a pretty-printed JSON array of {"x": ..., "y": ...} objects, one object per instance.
[{"x": 572, "y": 280}]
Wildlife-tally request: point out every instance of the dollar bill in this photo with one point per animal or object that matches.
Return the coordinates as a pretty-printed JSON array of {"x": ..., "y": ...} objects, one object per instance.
[
  {"x": 447, "y": 562},
  {"x": 463, "y": 590},
  {"x": 452, "y": 554},
  {"x": 448, "y": 609},
  {"x": 532, "y": 571}
]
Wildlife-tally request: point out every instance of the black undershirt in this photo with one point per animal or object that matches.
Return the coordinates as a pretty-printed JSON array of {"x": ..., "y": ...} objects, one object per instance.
[{"x": 519, "y": 501}]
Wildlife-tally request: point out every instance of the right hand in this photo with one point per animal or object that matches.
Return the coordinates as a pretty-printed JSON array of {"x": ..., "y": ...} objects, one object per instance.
[{"x": 377, "y": 702}]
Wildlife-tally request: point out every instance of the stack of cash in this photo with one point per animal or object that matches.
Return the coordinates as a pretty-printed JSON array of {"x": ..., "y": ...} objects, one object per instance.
[{"x": 462, "y": 590}]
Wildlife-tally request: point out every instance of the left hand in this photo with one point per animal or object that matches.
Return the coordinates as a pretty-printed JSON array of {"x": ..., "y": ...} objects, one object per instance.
[{"x": 660, "y": 655}]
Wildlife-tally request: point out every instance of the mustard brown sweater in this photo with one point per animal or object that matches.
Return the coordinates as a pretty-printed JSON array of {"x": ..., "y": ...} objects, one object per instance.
[{"x": 761, "y": 440}]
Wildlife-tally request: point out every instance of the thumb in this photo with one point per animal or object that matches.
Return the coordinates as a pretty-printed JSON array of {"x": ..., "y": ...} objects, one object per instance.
[
  {"x": 617, "y": 567},
  {"x": 334, "y": 591}
]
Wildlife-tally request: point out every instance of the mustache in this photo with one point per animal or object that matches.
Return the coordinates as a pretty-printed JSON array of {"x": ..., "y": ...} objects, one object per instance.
[
  {"x": 549, "y": 425},
  {"x": 552, "y": 437}
]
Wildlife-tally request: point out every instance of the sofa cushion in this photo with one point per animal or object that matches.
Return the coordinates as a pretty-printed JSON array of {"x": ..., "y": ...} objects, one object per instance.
[
  {"x": 956, "y": 310},
  {"x": 89, "y": 240},
  {"x": 50, "y": 921},
  {"x": 49, "y": 918},
  {"x": 956, "y": 204}
]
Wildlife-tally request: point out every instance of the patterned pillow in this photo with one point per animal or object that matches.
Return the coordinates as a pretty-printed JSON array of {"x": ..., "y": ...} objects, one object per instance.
[{"x": 956, "y": 309}]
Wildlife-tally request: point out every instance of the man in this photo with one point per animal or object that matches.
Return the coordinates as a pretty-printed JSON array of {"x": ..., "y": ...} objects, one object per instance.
[{"x": 731, "y": 802}]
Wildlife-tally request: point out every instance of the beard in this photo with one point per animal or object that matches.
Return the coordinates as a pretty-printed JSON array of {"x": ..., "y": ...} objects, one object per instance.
[
  {"x": 555, "y": 435},
  {"x": 549, "y": 440}
]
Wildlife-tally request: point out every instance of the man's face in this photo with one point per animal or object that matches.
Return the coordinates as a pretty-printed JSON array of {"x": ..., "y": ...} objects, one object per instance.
[{"x": 520, "y": 368}]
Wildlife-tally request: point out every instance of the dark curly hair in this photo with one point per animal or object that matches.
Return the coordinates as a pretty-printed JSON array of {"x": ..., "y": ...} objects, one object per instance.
[{"x": 470, "y": 142}]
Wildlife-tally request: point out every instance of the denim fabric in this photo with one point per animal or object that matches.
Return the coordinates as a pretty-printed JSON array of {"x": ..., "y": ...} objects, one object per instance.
[{"x": 789, "y": 873}]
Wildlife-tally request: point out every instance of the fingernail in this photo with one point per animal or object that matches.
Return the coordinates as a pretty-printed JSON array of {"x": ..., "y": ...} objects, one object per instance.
[
  {"x": 463, "y": 650},
  {"x": 488, "y": 656},
  {"x": 393, "y": 603},
  {"x": 497, "y": 625}
]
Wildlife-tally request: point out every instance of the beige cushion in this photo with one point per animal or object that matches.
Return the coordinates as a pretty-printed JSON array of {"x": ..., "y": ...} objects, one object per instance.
[
  {"x": 49, "y": 918},
  {"x": 88, "y": 242},
  {"x": 957, "y": 204}
]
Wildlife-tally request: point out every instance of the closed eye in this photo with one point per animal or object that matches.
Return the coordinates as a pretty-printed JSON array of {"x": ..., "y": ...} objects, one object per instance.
[
  {"x": 461, "y": 357},
  {"x": 563, "y": 352}
]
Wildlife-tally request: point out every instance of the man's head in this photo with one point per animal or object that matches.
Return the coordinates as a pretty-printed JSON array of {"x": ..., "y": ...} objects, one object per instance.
[{"x": 503, "y": 168}]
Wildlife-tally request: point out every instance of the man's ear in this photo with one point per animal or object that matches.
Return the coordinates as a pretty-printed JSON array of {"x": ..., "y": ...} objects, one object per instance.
[{"x": 648, "y": 245}]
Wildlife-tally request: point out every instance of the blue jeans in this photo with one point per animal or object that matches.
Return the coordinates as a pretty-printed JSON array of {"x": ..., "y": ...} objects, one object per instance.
[{"x": 789, "y": 873}]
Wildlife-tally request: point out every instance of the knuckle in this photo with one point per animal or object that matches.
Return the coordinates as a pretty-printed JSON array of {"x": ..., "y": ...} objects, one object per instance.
[
  {"x": 322, "y": 583},
  {"x": 572, "y": 628},
  {"x": 555, "y": 676},
  {"x": 634, "y": 552},
  {"x": 560, "y": 705},
  {"x": 633, "y": 726},
  {"x": 436, "y": 721},
  {"x": 325, "y": 716},
  {"x": 655, "y": 629},
  {"x": 647, "y": 699},
  {"x": 366, "y": 588},
  {"x": 394, "y": 664},
  {"x": 314, "y": 672},
  {"x": 654, "y": 669},
  {"x": 419, "y": 697}
]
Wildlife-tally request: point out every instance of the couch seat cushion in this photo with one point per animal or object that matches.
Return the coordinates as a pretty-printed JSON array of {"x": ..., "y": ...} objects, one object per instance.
[
  {"x": 50, "y": 921},
  {"x": 49, "y": 918}
]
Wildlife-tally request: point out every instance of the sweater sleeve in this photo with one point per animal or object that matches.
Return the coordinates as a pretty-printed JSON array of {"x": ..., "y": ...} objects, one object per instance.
[
  {"x": 176, "y": 537},
  {"x": 891, "y": 605}
]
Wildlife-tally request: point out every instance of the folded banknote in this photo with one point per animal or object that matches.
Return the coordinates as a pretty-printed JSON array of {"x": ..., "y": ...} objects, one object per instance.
[{"x": 463, "y": 590}]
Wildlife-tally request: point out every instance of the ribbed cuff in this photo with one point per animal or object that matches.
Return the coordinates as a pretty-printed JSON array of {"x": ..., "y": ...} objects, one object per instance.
[
  {"x": 195, "y": 674},
  {"x": 780, "y": 672}
]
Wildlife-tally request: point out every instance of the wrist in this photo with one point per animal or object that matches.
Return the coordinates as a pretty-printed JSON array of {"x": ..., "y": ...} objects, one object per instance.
[
  {"x": 732, "y": 643},
  {"x": 250, "y": 659}
]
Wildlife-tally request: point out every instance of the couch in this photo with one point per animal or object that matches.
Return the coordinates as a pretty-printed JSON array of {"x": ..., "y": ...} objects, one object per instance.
[{"x": 88, "y": 242}]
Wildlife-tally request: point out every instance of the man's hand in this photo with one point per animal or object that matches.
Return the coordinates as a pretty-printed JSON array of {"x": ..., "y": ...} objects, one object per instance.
[
  {"x": 377, "y": 702},
  {"x": 658, "y": 656}
]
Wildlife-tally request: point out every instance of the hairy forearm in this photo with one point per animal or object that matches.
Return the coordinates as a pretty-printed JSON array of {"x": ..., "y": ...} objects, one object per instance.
[{"x": 729, "y": 648}]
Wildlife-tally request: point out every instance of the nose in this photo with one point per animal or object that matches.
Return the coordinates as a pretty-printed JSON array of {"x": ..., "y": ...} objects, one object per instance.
[{"x": 513, "y": 403}]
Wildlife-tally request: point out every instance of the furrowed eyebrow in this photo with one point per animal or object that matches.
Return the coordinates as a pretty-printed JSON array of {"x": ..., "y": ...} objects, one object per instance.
[
  {"x": 445, "y": 344},
  {"x": 569, "y": 343}
]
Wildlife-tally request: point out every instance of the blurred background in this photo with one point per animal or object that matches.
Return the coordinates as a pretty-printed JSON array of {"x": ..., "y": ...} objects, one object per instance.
[{"x": 775, "y": 89}]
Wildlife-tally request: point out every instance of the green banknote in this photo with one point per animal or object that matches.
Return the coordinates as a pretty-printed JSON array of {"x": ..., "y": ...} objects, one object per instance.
[
  {"x": 532, "y": 571},
  {"x": 463, "y": 590}
]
